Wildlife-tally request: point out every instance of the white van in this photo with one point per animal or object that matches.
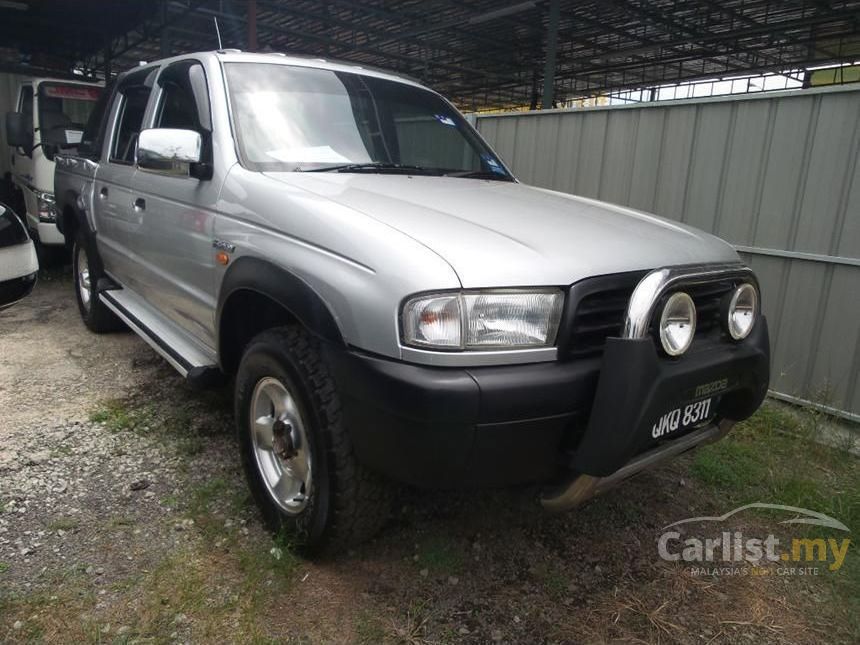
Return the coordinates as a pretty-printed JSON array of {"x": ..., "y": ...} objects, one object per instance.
[{"x": 49, "y": 114}]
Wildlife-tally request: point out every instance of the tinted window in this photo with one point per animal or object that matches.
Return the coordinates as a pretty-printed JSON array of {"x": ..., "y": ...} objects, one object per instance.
[
  {"x": 178, "y": 108},
  {"x": 91, "y": 140},
  {"x": 133, "y": 95},
  {"x": 131, "y": 113}
]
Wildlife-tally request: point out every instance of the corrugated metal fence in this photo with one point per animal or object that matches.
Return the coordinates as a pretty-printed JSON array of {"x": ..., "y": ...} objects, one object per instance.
[{"x": 777, "y": 175}]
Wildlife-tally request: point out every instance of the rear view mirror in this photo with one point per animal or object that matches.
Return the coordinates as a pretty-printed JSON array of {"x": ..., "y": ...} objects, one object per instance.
[
  {"x": 169, "y": 151},
  {"x": 18, "y": 262},
  {"x": 19, "y": 130}
]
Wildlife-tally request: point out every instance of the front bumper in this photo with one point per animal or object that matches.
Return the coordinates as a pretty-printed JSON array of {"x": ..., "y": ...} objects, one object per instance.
[{"x": 453, "y": 427}]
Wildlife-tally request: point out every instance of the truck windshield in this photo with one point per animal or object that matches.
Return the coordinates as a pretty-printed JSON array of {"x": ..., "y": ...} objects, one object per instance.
[
  {"x": 314, "y": 120},
  {"x": 64, "y": 110}
]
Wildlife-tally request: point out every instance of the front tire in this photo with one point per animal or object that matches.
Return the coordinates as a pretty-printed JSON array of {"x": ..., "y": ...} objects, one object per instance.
[
  {"x": 95, "y": 314},
  {"x": 296, "y": 452}
]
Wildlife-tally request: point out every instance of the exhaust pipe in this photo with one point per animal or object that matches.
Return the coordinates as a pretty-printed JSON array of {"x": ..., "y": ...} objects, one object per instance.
[{"x": 583, "y": 487}]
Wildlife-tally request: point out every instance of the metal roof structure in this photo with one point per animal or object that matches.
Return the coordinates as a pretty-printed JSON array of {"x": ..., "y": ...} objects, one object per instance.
[{"x": 484, "y": 54}]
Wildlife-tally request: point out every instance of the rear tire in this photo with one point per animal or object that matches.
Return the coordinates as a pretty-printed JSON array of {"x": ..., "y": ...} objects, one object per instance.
[
  {"x": 95, "y": 314},
  {"x": 303, "y": 473}
]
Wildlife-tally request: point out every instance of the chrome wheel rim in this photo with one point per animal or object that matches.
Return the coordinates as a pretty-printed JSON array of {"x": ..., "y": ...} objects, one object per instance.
[
  {"x": 83, "y": 270},
  {"x": 281, "y": 449}
]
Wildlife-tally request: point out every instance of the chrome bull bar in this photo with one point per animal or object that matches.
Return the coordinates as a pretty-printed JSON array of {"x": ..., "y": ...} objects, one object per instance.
[
  {"x": 583, "y": 487},
  {"x": 640, "y": 311}
]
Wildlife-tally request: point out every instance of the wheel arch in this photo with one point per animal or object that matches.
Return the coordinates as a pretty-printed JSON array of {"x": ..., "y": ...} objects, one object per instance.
[{"x": 274, "y": 296}]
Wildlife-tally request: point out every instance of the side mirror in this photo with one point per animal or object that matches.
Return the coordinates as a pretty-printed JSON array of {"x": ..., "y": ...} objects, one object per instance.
[
  {"x": 19, "y": 130},
  {"x": 169, "y": 151},
  {"x": 18, "y": 262}
]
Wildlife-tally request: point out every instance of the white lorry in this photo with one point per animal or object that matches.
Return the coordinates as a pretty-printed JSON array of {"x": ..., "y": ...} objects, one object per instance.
[{"x": 48, "y": 115}]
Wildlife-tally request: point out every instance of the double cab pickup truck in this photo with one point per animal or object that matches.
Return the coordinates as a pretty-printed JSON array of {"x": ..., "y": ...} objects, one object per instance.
[{"x": 391, "y": 304}]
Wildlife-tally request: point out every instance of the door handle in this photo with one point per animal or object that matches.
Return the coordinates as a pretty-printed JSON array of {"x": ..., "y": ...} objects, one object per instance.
[
  {"x": 139, "y": 204},
  {"x": 103, "y": 193}
]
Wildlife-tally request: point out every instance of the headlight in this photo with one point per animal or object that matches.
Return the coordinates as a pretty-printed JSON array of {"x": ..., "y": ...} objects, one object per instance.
[
  {"x": 46, "y": 205},
  {"x": 483, "y": 319},
  {"x": 677, "y": 324},
  {"x": 742, "y": 311}
]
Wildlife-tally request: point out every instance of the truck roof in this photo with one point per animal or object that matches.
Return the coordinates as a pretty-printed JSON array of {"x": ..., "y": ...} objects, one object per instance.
[
  {"x": 64, "y": 81},
  {"x": 238, "y": 56}
]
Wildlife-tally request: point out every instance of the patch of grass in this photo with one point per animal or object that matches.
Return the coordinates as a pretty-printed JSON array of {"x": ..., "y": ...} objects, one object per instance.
[
  {"x": 171, "y": 501},
  {"x": 120, "y": 522},
  {"x": 552, "y": 579},
  {"x": 729, "y": 465},
  {"x": 190, "y": 446},
  {"x": 440, "y": 555},
  {"x": 63, "y": 524},
  {"x": 202, "y": 496},
  {"x": 274, "y": 562},
  {"x": 171, "y": 423},
  {"x": 778, "y": 457},
  {"x": 114, "y": 414},
  {"x": 411, "y": 629},
  {"x": 3, "y": 567},
  {"x": 369, "y": 630}
]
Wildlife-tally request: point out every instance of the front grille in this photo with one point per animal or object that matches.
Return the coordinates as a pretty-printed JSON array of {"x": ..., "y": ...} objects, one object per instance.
[
  {"x": 597, "y": 307},
  {"x": 708, "y": 299}
]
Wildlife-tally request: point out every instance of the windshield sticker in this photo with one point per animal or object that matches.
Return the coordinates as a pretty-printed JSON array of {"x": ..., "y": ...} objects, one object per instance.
[
  {"x": 72, "y": 92},
  {"x": 494, "y": 165},
  {"x": 73, "y": 136},
  {"x": 445, "y": 120}
]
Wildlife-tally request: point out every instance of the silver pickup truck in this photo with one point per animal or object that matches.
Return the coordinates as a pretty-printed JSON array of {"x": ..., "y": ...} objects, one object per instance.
[{"x": 393, "y": 305}]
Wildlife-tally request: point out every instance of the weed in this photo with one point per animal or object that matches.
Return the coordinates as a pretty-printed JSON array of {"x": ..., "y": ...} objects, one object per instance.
[
  {"x": 441, "y": 556},
  {"x": 114, "y": 415},
  {"x": 63, "y": 524},
  {"x": 729, "y": 465},
  {"x": 412, "y": 628},
  {"x": 170, "y": 501},
  {"x": 368, "y": 629}
]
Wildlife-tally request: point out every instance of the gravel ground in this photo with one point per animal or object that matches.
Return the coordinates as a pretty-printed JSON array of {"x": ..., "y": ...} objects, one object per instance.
[
  {"x": 124, "y": 518},
  {"x": 63, "y": 477}
]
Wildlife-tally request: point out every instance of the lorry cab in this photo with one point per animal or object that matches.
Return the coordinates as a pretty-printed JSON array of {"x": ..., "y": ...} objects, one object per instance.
[{"x": 49, "y": 115}]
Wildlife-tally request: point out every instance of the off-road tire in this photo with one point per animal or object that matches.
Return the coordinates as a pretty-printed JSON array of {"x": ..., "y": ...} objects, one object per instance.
[
  {"x": 347, "y": 503},
  {"x": 97, "y": 317}
]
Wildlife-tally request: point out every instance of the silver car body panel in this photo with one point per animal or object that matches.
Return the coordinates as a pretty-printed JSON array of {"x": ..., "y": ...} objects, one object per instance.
[{"x": 362, "y": 242}]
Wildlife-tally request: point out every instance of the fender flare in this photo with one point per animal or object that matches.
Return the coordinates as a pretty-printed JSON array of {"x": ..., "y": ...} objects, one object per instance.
[{"x": 285, "y": 288}]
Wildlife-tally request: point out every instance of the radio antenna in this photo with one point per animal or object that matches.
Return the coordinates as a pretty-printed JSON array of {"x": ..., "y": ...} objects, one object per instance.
[{"x": 218, "y": 32}]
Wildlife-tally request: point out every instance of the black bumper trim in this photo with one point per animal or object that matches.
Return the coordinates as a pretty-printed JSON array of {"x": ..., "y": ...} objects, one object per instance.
[
  {"x": 637, "y": 386},
  {"x": 452, "y": 427}
]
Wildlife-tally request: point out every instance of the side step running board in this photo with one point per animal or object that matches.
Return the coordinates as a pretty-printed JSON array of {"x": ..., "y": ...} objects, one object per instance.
[{"x": 197, "y": 368}]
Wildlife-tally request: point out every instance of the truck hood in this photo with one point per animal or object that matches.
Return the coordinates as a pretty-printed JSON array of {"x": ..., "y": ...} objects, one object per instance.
[{"x": 496, "y": 233}]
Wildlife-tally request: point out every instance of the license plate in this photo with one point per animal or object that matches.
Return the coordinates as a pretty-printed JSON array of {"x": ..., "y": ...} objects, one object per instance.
[{"x": 682, "y": 418}]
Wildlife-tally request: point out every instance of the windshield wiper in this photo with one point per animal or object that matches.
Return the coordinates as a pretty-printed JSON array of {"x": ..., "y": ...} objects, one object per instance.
[
  {"x": 373, "y": 166},
  {"x": 479, "y": 174}
]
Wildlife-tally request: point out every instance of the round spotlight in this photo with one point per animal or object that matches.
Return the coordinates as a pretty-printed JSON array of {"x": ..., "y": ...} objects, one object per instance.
[
  {"x": 677, "y": 324},
  {"x": 743, "y": 311}
]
